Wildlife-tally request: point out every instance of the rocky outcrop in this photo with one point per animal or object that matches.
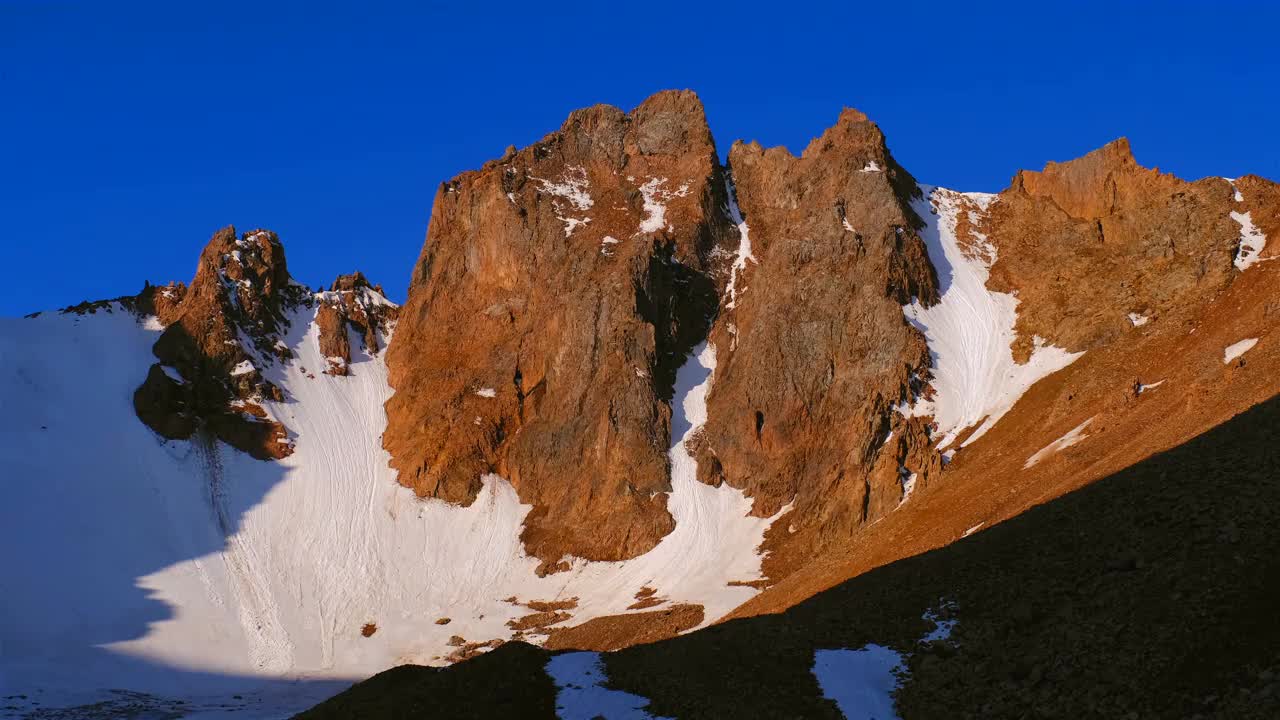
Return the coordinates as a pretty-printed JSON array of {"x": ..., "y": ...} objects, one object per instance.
[
  {"x": 206, "y": 378},
  {"x": 813, "y": 351},
  {"x": 351, "y": 305},
  {"x": 558, "y": 290},
  {"x": 1089, "y": 244}
]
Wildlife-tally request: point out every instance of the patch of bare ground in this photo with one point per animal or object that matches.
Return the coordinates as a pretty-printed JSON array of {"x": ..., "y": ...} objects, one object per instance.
[{"x": 616, "y": 631}]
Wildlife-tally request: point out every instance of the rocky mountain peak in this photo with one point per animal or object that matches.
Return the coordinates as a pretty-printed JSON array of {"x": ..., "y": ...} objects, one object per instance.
[
  {"x": 1085, "y": 187},
  {"x": 589, "y": 259},
  {"x": 352, "y": 304}
]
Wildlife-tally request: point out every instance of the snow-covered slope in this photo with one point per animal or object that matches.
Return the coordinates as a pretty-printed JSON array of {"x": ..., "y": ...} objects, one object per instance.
[
  {"x": 971, "y": 330},
  {"x": 188, "y": 569}
]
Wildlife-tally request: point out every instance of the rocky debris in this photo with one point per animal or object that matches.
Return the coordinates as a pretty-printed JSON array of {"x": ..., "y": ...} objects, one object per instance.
[
  {"x": 352, "y": 304},
  {"x": 813, "y": 351},
  {"x": 229, "y": 318},
  {"x": 1086, "y": 243},
  {"x": 618, "y": 631},
  {"x": 558, "y": 290},
  {"x": 227, "y": 326}
]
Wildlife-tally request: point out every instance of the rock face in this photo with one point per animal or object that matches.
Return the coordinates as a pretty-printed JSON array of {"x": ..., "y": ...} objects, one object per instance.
[
  {"x": 227, "y": 326},
  {"x": 813, "y": 349},
  {"x": 351, "y": 305},
  {"x": 240, "y": 294},
  {"x": 558, "y": 290},
  {"x": 1087, "y": 243}
]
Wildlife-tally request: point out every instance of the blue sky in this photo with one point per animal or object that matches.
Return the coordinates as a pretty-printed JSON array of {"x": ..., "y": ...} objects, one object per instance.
[{"x": 132, "y": 131}]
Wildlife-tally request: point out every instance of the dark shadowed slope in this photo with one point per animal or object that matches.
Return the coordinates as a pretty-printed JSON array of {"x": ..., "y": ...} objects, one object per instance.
[{"x": 1148, "y": 592}]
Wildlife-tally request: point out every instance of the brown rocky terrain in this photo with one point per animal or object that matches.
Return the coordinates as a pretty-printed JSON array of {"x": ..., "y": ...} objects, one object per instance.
[
  {"x": 558, "y": 290},
  {"x": 347, "y": 308},
  {"x": 1087, "y": 242},
  {"x": 813, "y": 350},
  {"x": 241, "y": 289},
  {"x": 222, "y": 329}
]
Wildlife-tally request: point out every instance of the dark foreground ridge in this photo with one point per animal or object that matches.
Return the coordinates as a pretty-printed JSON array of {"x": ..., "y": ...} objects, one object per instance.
[{"x": 1149, "y": 593}]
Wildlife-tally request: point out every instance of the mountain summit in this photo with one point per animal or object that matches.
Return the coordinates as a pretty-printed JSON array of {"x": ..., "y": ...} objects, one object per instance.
[{"x": 634, "y": 393}]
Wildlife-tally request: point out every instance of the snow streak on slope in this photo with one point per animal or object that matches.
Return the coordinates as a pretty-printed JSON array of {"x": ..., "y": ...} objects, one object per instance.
[
  {"x": 744, "y": 244},
  {"x": 1072, "y": 436},
  {"x": 971, "y": 330},
  {"x": 1252, "y": 241},
  {"x": 195, "y": 557}
]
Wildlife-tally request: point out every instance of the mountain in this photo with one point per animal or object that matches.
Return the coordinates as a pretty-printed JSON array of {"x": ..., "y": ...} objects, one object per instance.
[{"x": 793, "y": 436}]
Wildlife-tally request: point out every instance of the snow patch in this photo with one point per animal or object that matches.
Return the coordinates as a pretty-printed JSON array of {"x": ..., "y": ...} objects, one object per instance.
[
  {"x": 233, "y": 572},
  {"x": 862, "y": 682},
  {"x": 487, "y": 392},
  {"x": 744, "y": 245},
  {"x": 871, "y": 166},
  {"x": 244, "y": 367},
  {"x": 1252, "y": 241},
  {"x": 581, "y": 694},
  {"x": 971, "y": 331},
  {"x": 1138, "y": 319},
  {"x": 1073, "y": 436},
  {"x": 1235, "y": 350},
  {"x": 1143, "y": 388},
  {"x": 655, "y": 207},
  {"x": 572, "y": 188}
]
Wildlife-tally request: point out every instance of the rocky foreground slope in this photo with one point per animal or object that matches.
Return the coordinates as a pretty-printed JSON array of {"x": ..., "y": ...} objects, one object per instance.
[{"x": 633, "y": 392}]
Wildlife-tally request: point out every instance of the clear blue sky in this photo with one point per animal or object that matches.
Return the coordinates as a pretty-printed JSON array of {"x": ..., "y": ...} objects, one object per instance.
[{"x": 130, "y": 132}]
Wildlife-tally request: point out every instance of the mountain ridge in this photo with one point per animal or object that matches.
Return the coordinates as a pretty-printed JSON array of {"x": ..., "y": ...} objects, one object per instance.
[{"x": 633, "y": 392}]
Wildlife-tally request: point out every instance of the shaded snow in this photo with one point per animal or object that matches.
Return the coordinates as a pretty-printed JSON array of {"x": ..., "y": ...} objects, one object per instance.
[
  {"x": 173, "y": 374},
  {"x": 971, "y": 330},
  {"x": 1072, "y": 436},
  {"x": 581, "y": 694},
  {"x": 861, "y": 682},
  {"x": 1235, "y": 350}
]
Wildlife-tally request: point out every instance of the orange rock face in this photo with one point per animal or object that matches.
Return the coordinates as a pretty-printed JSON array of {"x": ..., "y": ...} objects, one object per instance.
[
  {"x": 558, "y": 290},
  {"x": 813, "y": 350},
  {"x": 1087, "y": 242},
  {"x": 240, "y": 293},
  {"x": 350, "y": 307}
]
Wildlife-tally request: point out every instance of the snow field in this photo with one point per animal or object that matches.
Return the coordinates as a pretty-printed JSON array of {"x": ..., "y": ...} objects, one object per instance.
[
  {"x": 221, "y": 570},
  {"x": 970, "y": 332}
]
